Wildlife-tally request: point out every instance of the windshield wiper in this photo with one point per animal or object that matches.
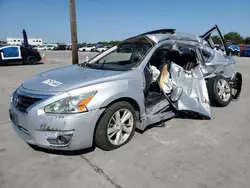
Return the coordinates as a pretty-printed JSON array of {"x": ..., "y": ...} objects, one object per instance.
[
  {"x": 102, "y": 64},
  {"x": 83, "y": 64}
]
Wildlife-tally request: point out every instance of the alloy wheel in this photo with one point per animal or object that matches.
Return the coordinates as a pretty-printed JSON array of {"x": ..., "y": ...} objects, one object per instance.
[
  {"x": 120, "y": 126},
  {"x": 223, "y": 90}
]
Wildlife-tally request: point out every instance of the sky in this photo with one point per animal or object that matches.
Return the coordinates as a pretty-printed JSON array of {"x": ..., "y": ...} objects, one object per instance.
[{"x": 105, "y": 20}]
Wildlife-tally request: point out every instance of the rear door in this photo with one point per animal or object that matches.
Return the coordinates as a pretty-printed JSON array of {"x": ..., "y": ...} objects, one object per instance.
[
  {"x": 11, "y": 54},
  {"x": 189, "y": 90},
  {"x": 208, "y": 38}
]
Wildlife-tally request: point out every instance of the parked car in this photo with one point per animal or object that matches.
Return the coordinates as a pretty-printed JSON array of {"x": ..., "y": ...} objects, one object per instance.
[
  {"x": 88, "y": 48},
  {"x": 49, "y": 47},
  {"x": 245, "y": 52},
  {"x": 40, "y": 48},
  {"x": 60, "y": 47},
  {"x": 242, "y": 46},
  {"x": 233, "y": 48},
  {"x": 18, "y": 54},
  {"x": 69, "y": 47},
  {"x": 146, "y": 79},
  {"x": 102, "y": 49}
]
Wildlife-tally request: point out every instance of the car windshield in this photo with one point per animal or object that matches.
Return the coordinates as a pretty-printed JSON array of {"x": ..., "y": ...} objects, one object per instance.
[
  {"x": 89, "y": 46},
  {"x": 123, "y": 57},
  {"x": 246, "y": 48}
]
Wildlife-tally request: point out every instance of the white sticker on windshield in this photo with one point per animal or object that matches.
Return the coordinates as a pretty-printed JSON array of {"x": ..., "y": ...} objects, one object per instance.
[{"x": 52, "y": 83}]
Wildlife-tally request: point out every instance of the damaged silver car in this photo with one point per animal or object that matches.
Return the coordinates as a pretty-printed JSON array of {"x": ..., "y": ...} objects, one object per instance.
[{"x": 144, "y": 80}]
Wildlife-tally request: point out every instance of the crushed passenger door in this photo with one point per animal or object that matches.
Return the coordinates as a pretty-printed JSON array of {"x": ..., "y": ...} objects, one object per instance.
[{"x": 189, "y": 90}]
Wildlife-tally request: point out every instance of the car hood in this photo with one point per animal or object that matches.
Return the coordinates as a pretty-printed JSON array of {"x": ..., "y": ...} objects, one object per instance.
[{"x": 68, "y": 78}]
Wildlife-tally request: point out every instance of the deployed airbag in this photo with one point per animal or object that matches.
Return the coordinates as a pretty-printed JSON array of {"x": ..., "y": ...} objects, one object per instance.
[{"x": 165, "y": 80}]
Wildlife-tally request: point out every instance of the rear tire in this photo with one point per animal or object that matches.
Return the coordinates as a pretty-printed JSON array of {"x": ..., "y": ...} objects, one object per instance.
[
  {"x": 219, "y": 91},
  {"x": 31, "y": 60},
  {"x": 110, "y": 133}
]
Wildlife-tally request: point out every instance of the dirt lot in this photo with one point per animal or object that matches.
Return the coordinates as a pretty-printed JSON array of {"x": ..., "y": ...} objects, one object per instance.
[{"x": 185, "y": 154}]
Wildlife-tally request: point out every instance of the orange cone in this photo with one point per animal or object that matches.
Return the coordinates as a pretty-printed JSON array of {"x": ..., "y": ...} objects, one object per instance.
[{"x": 43, "y": 57}]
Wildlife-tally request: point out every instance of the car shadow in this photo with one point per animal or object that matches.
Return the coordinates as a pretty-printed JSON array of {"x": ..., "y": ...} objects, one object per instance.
[
  {"x": 20, "y": 64},
  {"x": 161, "y": 124},
  {"x": 179, "y": 115},
  {"x": 65, "y": 153}
]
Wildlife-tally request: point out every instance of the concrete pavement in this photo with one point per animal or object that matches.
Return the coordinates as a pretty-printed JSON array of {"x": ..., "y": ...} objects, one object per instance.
[{"x": 186, "y": 153}]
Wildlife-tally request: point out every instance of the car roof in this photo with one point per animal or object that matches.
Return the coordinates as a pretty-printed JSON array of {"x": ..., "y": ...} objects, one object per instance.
[{"x": 170, "y": 34}]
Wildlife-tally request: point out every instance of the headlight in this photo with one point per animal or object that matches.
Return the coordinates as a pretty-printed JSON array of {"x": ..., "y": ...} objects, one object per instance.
[
  {"x": 72, "y": 104},
  {"x": 12, "y": 96}
]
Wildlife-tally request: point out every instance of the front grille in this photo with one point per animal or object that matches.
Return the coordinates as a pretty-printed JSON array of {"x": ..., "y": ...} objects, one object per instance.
[{"x": 23, "y": 102}]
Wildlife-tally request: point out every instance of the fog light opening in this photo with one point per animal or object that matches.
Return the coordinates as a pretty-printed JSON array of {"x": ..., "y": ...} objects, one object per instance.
[{"x": 62, "y": 140}]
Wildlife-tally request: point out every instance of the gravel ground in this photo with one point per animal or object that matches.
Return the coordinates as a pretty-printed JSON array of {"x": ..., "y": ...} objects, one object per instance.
[{"x": 184, "y": 154}]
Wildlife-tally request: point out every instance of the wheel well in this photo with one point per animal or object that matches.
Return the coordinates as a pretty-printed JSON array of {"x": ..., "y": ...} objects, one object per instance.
[
  {"x": 126, "y": 99},
  {"x": 130, "y": 101}
]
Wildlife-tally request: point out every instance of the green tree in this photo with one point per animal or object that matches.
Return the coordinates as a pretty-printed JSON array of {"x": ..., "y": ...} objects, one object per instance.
[
  {"x": 112, "y": 43},
  {"x": 247, "y": 40},
  {"x": 235, "y": 37},
  {"x": 3, "y": 42}
]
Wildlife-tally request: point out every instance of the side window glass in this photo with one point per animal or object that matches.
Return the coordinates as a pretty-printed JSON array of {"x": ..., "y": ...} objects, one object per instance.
[{"x": 10, "y": 52}]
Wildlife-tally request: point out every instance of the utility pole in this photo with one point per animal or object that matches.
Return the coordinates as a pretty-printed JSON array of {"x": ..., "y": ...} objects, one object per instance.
[{"x": 73, "y": 29}]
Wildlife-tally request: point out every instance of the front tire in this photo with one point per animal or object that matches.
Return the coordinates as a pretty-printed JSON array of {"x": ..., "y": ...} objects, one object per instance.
[
  {"x": 116, "y": 126},
  {"x": 219, "y": 91}
]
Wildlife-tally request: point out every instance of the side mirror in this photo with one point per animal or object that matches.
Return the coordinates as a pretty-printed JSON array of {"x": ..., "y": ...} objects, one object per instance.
[{"x": 176, "y": 94}]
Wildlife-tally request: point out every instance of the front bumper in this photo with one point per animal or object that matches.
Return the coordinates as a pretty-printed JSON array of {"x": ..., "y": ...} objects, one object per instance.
[{"x": 43, "y": 129}]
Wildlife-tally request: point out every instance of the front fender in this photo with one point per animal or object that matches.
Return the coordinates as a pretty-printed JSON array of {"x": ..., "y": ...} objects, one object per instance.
[{"x": 111, "y": 91}]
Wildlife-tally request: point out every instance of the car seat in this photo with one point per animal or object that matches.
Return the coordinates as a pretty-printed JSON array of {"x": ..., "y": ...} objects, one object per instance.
[
  {"x": 185, "y": 58},
  {"x": 160, "y": 58},
  {"x": 189, "y": 59}
]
